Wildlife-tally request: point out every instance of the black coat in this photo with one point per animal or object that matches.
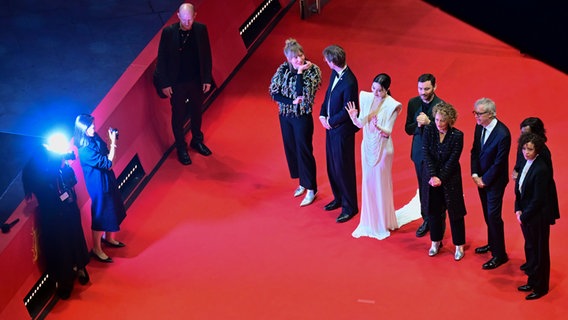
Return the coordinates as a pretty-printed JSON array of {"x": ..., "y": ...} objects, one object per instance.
[
  {"x": 491, "y": 162},
  {"x": 415, "y": 106},
  {"x": 552, "y": 202},
  {"x": 441, "y": 159},
  {"x": 168, "y": 64},
  {"x": 535, "y": 197},
  {"x": 61, "y": 239},
  {"x": 344, "y": 91}
]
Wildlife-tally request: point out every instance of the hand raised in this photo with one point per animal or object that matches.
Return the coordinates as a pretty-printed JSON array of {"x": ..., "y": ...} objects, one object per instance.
[{"x": 351, "y": 109}]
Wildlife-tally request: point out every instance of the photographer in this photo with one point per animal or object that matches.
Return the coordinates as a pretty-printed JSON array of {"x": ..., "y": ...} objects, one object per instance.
[
  {"x": 63, "y": 248},
  {"x": 107, "y": 208}
]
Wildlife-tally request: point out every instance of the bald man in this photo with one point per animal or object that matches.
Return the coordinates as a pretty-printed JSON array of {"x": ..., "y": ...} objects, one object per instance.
[{"x": 184, "y": 76}]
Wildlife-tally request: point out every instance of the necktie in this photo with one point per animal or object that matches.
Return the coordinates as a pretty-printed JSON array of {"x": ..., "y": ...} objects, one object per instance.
[{"x": 483, "y": 136}]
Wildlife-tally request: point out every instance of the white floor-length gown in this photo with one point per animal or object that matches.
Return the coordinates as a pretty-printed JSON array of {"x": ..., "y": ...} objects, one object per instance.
[{"x": 377, "y": 205}]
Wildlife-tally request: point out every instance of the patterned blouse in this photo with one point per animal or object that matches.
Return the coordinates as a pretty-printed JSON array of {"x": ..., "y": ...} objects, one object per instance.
[{"x": 284, "y": 88}]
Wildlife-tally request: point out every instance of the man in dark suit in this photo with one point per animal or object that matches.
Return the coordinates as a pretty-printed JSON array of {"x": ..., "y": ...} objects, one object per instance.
[
  {"x": 418, "y": 116},
  {"x": 489, "y": 171},
  {"x": 340, "y": 134},
  {"x": 534, "y": 207},
  {"x": 183, "y": 74}
]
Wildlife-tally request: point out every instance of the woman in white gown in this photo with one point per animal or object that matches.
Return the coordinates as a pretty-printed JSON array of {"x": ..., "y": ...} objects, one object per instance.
[{"x": 378, "y": 113}]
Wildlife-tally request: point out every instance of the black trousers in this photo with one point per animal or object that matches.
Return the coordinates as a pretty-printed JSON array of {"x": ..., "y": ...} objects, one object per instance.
[
  {"x": 297, "y": 135},
  {"x": 187, "y": 99},
  {"x": 340, "y": 157},
  {"x": 492, "y": 204},
  {"x": 537, "y": 252},
  {"x": 437, "y": 219}
]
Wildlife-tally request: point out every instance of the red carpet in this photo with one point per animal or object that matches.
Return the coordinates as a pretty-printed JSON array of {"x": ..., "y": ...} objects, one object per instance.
[{"x": 223, "y": 238}]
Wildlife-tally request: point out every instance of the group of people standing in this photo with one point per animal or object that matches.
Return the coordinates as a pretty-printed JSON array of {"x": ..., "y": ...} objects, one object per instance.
[{"x": 437, "y": 146}]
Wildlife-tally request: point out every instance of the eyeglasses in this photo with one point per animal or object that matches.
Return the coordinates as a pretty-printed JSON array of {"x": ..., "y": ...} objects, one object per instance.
[{"x": 479, "y": 114}]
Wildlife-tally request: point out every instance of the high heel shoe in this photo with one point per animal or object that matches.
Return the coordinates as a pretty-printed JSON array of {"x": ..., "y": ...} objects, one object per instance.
[
  {"x": 436, "y": 246},
  {"x": 309, "y": 198},
  {"x": 118, "y": 244},
  {"x": 299, "y": 191},
  {"x": 459, "y": 253},
  {"x": 96, "y": 256}
]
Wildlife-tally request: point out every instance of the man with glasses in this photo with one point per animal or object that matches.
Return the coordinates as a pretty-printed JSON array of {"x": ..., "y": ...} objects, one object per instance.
[
  {"x": 418, "y": 116},
  {"x": 489, "y": 171}
]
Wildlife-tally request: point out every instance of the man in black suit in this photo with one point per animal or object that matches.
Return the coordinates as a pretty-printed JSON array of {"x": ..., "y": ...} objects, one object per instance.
[
  {"x": 183, "y": 74},
  {"x": 489, "y": 171},
  {"x": 418, "y": 116},
  {"x": 340, "y": 134}
]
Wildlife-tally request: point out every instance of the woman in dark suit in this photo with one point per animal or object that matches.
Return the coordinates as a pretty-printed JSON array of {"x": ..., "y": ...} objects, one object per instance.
[
  {"x": 107, "y": 207},
  {"x": 536, "y": 126},
  {"x": 533, "y": 208},
  {"x": 442, "y": 145}
]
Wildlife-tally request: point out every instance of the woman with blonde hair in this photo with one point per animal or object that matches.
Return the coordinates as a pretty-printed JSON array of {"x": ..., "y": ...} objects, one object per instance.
[{"x": 294, "y": 87}]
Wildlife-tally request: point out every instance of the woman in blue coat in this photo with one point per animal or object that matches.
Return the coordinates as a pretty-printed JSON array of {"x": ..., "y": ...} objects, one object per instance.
[{"x": 107, "y": 207}]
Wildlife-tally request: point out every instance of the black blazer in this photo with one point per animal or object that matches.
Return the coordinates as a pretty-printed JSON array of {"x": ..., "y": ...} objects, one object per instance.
[
  {"x": 345, "y": 90},
  {"x": 442, "y": 160},
  {"x": 491, "y": 162},
  {"x": 552, "y": 207},
  {"x": 168, "y": 64},
  {"x": 411, "y": 127},
  {"x": 534, "y": 193}
]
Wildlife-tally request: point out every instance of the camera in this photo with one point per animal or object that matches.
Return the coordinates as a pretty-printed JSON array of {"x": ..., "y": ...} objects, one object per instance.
[{"x": 114, "y": 130}]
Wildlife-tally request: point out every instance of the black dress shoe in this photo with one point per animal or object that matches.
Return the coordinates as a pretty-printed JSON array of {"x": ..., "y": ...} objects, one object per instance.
[
  {"x": 118, "y": 244},
  {"x": 535, "y": 295},
  {"x": 423, "y": 229},
  {"x": 107, "y": 260},
  {"x": 344, "y": 217},
  {"x": 184, "y": 158},
  {"x": 332, "y": 205},
  {"x": 494, "y": 263},
  {"x": 63, "y": 291},
  {"x": 483, "y": 249},
  {"x": 83, "y": 276},
  {"x": 525, "y": 288},
  {"x": 201, "y": 148}
]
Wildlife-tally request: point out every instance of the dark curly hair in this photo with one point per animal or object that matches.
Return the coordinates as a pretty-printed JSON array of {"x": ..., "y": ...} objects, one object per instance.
[{"x": 536, "y": 140}]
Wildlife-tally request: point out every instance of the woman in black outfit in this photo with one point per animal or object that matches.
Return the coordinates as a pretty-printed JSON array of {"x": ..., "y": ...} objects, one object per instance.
[
  {"x": 294, "y": 86},
  {"x": 535, "y": 208},
  {"x": 442, "y": 145},
  {"x": 62, "y": 245}
]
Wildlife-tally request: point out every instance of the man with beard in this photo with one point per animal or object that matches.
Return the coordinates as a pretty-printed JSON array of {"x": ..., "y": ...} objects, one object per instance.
[{"x": 418, "y": 116}]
